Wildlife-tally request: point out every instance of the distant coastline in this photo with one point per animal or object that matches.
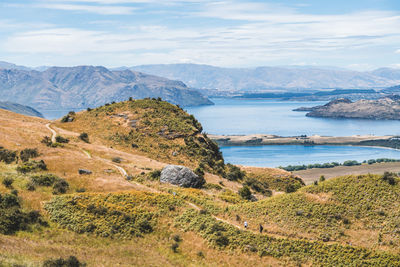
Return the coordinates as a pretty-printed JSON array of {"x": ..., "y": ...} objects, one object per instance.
[{"x": 388, "y": 141}]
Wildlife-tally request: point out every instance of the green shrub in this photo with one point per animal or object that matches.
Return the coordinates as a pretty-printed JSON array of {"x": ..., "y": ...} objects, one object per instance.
[
  {"x": 175, "y": 247},
  {"x": 44, "y": 179},
  {"x": 60, "y": 186},
  {"x": 7, "y": 156},
  {"x": 47, "y": 141},
  {"x": 61, "y": 140},
  {"x": 322, "y": 178},
  {"x": 155, "y": 175},
  {"x": 32, "y": 166},
  {"x": 177, "y": 238},
  {"x": 351, "y": 163},
  {"x": 84, "y": 137},
  {"x": 28, "y": 153},
  {"x": 258, "y": 186},
  {"x": 12, "y": 218},
  {"x": 245, "y": 192},
  {"x": 199, "y": 172},
  {"x": 389, "y": 177},
  {"x": 7, "y": 182},
  {"x": 234, "y": 173},
  {"x": 69, "y": 117},
  {"x": 290, "y": 188},
  {"x": 71, "y": 261}
]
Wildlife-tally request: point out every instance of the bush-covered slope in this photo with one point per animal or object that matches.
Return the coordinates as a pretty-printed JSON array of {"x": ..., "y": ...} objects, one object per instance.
[
  {"x": 123, "y": 215},
  {"x": 341, "y": 209},
  {"x": 150, "y": 127},
  {"x": 222, "y": 235}
]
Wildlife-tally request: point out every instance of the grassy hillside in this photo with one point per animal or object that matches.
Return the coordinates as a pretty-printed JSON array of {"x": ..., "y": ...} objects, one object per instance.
[
  {"x": 48, "y": 210},
  {"x": 361, "y": 210},
  {"x": 149, "y": 127}
]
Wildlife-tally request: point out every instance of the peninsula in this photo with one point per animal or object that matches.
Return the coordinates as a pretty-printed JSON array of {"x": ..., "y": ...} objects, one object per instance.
[{"x": 386, "y": 108}]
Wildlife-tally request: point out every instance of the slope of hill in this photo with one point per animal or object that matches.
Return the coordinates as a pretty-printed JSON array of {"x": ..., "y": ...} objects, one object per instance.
[
  {"x": 121, "y": 215},
  {"x": 88, "y": 86},
  {"x": 361, "y": 210},
  {"x": 268, "y": 78},
  {"x": 21, "y": 109},
  {"x": 153, "y": 128}
]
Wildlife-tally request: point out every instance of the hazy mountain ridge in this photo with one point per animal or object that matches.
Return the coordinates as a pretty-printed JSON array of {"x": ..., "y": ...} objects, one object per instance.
[
  {"x": 272, "y": 78},
  {"x": 21, "y": 109},
  {"x": 88, "y": 86}
]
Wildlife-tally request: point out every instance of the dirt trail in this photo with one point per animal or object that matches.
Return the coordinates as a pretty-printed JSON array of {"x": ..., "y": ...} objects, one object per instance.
[{"x": 53, "y": 133}]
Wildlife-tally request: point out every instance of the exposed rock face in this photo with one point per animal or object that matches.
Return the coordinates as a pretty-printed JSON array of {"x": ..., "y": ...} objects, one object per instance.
[
  {"x": 387, "y": 108},
  {"x": 89, "y": 86},
  {"x": 181, "y": 176},
  {"x": 21, "y": 109}
]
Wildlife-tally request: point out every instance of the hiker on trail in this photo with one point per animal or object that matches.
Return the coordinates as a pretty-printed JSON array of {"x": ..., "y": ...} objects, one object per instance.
[
  {"x": 245, "y": 224},
  {"x": 261, "y": 228}
]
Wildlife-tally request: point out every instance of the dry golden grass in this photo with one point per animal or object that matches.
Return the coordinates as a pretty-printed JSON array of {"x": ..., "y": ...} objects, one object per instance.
[
  {"x": 311, "y": 175},
  {"x": 18, "y": 132}
]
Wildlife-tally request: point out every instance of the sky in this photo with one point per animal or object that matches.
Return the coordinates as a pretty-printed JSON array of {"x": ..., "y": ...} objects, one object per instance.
[{"x": 360, "y": 35}]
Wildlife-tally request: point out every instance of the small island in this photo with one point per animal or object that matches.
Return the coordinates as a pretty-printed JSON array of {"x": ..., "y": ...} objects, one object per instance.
[{"x": 386, "y": 108}]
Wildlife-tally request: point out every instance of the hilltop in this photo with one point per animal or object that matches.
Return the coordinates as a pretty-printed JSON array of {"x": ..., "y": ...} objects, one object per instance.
[
  {"x": 149, "y": 127},
  {"x": 89, "y": 86},
  {"x": 89, "y": 186},
  {"x": 386, "y": 108},
  {"x": 21, "y": 109}
]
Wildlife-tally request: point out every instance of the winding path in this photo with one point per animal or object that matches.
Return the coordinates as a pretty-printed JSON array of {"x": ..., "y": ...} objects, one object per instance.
[{"x": 53, "y": 133}]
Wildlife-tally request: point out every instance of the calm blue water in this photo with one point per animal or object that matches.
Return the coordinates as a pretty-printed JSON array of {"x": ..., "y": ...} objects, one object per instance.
[
  {"x": 274, "y": 156},
  {"x": 251, "y": 116},
  {"x": 243, "y": 116}
]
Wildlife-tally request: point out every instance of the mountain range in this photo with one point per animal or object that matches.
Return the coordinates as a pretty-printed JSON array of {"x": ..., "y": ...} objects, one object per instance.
[
  {"x": 286, "y": 78},
  {"x": 89, "y": 86}
]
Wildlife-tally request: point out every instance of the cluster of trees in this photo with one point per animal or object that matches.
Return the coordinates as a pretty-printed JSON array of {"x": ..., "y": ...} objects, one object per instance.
[{"x": 334, "y": 164}]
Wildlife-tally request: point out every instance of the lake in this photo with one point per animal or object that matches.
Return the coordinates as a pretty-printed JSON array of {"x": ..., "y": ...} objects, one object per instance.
[
  {"x": 255, "y": 116},
  {"x": 251, "y": 116},
  {"x": 284, "y": 155}
]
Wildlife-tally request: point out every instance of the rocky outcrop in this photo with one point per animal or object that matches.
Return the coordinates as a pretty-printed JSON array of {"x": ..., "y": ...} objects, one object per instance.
[
  {"x": 387, "y": 108},
  {"x": 181, "y": 176}
]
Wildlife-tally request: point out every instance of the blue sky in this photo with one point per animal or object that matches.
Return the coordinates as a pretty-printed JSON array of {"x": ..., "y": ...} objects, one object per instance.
[{"x": 360, "y": 35}]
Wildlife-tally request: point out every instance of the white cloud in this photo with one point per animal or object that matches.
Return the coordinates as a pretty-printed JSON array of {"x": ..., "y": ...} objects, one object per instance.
[
  {"x": 397, "y": 51},
  {"x": 103, "y": 10},
  {"x": 260, "y": 34}
]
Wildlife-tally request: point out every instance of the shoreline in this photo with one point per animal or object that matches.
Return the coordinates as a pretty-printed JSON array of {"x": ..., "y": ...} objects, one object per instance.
[{"x": 387, "y": 141}]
